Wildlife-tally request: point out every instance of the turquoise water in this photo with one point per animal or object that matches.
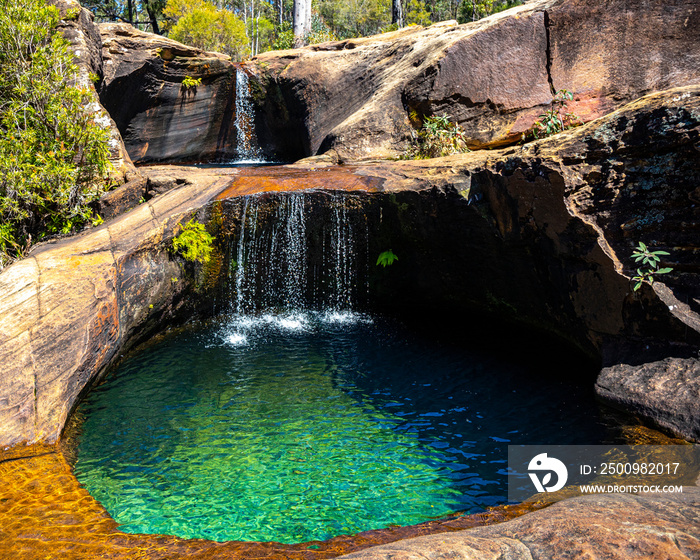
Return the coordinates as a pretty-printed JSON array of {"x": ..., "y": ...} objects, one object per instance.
[{"x": 302, "y": 427}]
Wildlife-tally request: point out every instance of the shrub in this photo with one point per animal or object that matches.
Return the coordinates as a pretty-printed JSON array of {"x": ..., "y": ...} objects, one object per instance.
[
  {"x": 554, "y": 120},
  {"x": 190, "y": 82},
  {"x": 650, "y": 265},
  {"x": 194, "y": 242},
  {"x": 53, "y": 140},
  {"x": 439, "y": 137}
]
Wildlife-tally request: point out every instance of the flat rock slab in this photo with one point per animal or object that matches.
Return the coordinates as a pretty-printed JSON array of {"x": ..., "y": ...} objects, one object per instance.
[
  {"x": 592, "y": 527},
  {"x": 666, "y": 392}
]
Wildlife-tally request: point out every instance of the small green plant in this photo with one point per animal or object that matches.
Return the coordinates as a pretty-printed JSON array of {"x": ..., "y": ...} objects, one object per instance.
[
  {"x": 438, "y": 137},
  {"x": 190, "y": 83},
  {"x": 650, "y": 265},
  {"x": 97, "y": 221},
  {"x": 556, "y": 119},
  {"x": 386, "y": 258},
  {"x": 194, "y": 242}
]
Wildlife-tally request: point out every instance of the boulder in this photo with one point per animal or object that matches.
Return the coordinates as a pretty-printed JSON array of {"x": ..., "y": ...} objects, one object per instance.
[
  {"x": 594, "y": 527},
  {"x": 84, "y": 38},
  {"x": 666, "y": 393},
  {"x": 159, "y": 118},
  {"x": 365, "y": 97}
]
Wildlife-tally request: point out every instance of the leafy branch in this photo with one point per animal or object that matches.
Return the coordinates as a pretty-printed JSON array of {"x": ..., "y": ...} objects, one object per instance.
[
  {"x": 386, "y": 258},
  {"x": 649, "y": 265},
  {"x": 438, "y": 137}
]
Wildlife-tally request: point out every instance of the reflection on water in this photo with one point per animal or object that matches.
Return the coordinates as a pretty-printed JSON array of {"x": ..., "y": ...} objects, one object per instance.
[{"x": 303, "y": 426}]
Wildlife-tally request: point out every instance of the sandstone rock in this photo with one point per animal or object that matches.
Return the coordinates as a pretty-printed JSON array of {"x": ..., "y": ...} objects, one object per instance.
[
  {"x": 68, "y": 308},
  {"x": 494, "y": 76},
  {"x": 85, "y": 40},
  {"x": 592, "y": 527},
  {"x": 540, "y": 233},
  {"x": 159, "y": 119},
  {"x": 666, "y": 393}
]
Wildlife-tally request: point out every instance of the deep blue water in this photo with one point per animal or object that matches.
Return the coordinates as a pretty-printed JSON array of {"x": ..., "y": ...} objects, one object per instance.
[{"x": 301, "y": 427}]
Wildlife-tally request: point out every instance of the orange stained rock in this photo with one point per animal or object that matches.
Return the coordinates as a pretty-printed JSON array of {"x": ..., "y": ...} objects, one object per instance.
[
  {"x": 276, "y": 179},
  {"x": 45, "y": 513}
]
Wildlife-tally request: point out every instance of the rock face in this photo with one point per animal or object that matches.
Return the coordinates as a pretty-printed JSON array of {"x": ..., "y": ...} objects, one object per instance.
[
  {"x": 494, "y": 77},
  {"x": 159, "y": 118},
  {"x": 84, "y": 38},
  {"x": 364, "y": 97},
  {"x": 594, "y": 527},
  {"x": 666, "y": 392},
  {"x": 542, "y": 233},
  {"x": 67, "y": 309}
]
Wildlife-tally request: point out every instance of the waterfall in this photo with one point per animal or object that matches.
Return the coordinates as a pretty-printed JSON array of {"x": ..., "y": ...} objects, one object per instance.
[
  {"x": 246, "y": 140},
  {"x": 293, "y": 253}
]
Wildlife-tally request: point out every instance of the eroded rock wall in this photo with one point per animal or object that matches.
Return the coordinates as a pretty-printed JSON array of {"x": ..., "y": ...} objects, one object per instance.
[
  {"x": 159, "y": 118},
  {"x": 364, "y": 98}
]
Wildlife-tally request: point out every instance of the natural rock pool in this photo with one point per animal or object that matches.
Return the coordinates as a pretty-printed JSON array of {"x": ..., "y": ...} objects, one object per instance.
[{"x": 303, "y": 426}]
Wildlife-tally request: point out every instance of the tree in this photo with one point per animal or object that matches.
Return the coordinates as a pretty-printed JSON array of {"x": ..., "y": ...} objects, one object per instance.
[
  {"x": 397, "y": 13},
  {"x": 53, "y": 137},
  {"x": 302, "y": 21},
  {"x": 202, "y": 25},
  {"x": 143, "y": 14}
]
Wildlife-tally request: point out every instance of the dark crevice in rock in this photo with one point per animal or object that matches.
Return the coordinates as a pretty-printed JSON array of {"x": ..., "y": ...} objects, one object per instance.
[{"x": 548, "y": 53}]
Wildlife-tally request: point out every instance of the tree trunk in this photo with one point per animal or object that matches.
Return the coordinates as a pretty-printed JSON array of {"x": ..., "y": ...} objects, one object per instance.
[
  {"x": 300, "y": 21},
  {"x": 152, "y": 16},
  {"x": 397, "y": 13}
]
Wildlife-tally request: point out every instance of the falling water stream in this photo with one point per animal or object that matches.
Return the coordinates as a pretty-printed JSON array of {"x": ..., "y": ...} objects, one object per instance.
[
  {"x": 293, "y": 417},
  {"x": 246, "y": 140}
]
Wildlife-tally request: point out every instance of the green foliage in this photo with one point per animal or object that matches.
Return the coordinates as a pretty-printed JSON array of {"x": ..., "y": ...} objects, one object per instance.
[
  {"x": 53, "y": 137},
  {"x": 208, "y": 28},
  {"x": 285, "y": 37},
  {"x": 556, "y": 119},
  {"x": 472, "y": 10},
  {"x": 194, "y": 242},
  {"x": 416, "y": 14},
  {"x": 650, "y": 265},
  {"x": 354, "y": 18},
  {"x": 438, "y": 137},
  {"x": 386, "y": 258},
  {"x": 189, "y": 82}
]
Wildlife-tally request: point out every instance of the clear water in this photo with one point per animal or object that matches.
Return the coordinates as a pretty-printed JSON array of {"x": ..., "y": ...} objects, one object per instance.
[{"x": 301, "y": 427}]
